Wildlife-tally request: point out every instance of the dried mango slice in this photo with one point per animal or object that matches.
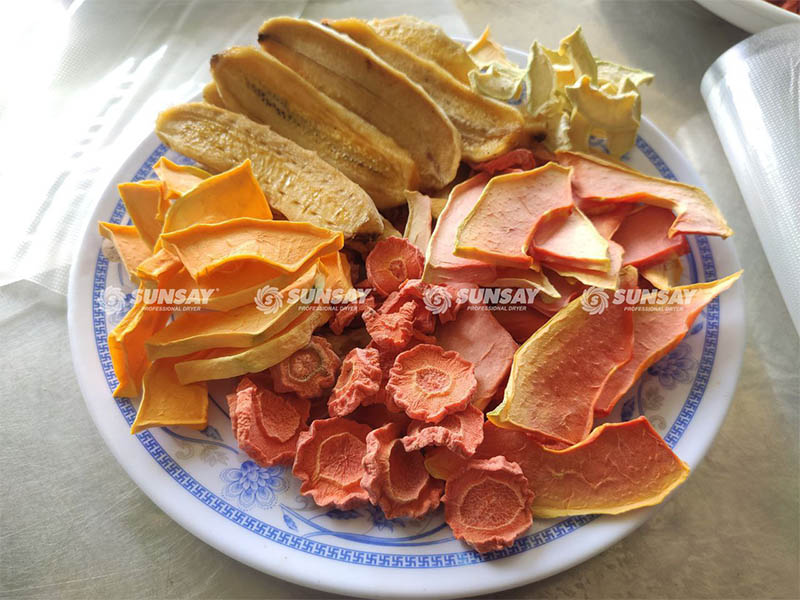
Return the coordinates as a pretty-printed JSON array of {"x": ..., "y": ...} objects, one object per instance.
[
  {"x": 553, "y": 384},
  {"x": 309, "y": 372},
  {"x": 572, "y": 240},
  {"x": 418, "y": 225},
  {"x": 142, "y": 200},
  {"x": 392, "y": 262},
  {"x": 157, "y": 269},
  {"x": 395, "y": 478},
  {"x": 663, "y": 275},
  {"x": 645, "y": 237},
  {"x": 656, "y": 333},
  {"x": 520, "y": 158},
  {"x": 500, "y": 227},
  {"x": 391, "y": 332},
  {"x": 487, "y": 505},
  {"x": 329, "y": 462},
  {"x": 429, "y": 383},
  {"x": 602, "y": 181},
  {"x": 492, "y": 357},
  {"x": 460, "y": 432},
  {"x": 167, "y": 402},
  {"x": 359, "y": 380},
  {"x": 521, "y": 324},
  {"x": 129, "y": 245}
]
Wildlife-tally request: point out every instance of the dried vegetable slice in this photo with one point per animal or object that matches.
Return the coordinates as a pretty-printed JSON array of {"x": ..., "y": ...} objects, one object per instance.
[
  {"x": 129, "y": 245},
  {"x": 359, "y": 380},
  {"x": 424, "y": 320},
  {"x": 336, "y": 269},
  {"x": 282, "y": 416},
  {"x": 418, "y": 225},
  {"x": 572, "y": 240},
  {"x": 521, "y": 158},
  {"x": 656, "y": 333},
  {"x": 644, "y": 235},
  {"x": 391, "y": 332},
  {"x": 524, "y": 278},
  {"x": 443, "y": 463},
  {"x": 429, "y": 383},
  {"x": 500, "y": 227},
  {"x": 377, "y": 415},
  {"x": 392, "y": 262},
  {"x": 553, "y": 385},
  {"x": 309, "y": 372},
  {"x": 142, "y": 200},
  {"x": 459, "y": 432},
  {"x": 606, "y": 218},
  {"x": 158, "y": 269},
  {"x": 347, "y": 313},
  {"x": 487, "y": 505},
  {"x": 395, "y": 478},
  {"x": 568, "y": 289},
  {"x": 521, "y": 324},
  {"x": 179, "y": 179},
  {"x": 329, "y": 462}
]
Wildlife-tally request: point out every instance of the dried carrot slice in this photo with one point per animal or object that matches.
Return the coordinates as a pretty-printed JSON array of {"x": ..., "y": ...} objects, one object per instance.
[
  {"x": 393, "y": 261},
  {"x": 424, "y": 320},
  {"x": 487, "y": 505},
  {"x": 461, "y": 432},
  {"x": 359, "y": 380},
  {"x": 429, "y": 383},
  {"x": 377, "y": 415},
  {"x": 329, "y": 462},
  {"x": 396, "y": 479},
  {"x": 347, "y": 313},
  {"x": 309, "y": 372},
  {"x": 393, "y": 331}
]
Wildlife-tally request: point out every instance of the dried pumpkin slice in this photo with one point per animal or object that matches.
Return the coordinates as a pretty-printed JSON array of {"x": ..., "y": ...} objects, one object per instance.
[
  {"x": 428, "y": 41},
  {"x": 297, "y": 183},
  {"x": 227, "y": 362},
  {"x": 460, "y": 432},
  {"x": 178, "y": 179},
  {"x": 395, "y": 478},
  {"x": 656, "y": 333},
  {"x": 603, "y": 181},
  {"x": 360, "y": 81},
  {"x": 645, "y": 237},
  {"x": 418, "y": 226},
  {"x": 336, "y": 269},
  {"x": 501, "y": 226},
  {"x": 309, "y": 372},
  {"x": 142, "y": 200},
  {"x": 429, "y": 383},
  {"x": 256, "y": 84},
  {"x": 391, "y": 263},
  {"x": 127, "y": 242},
  {"x": 553, "y": 386},
  {"x": 359, "y": 380},
  {"x": 572, "y": 240},
  {"x": 329, "y": 462},
  {"x": 157, "y": 269},
  {"x": 167, "y": 402},
  {"x": 443, "y": 463},
  {"x": 487, "y": 505},
  {"x": 488, "y": 128}
]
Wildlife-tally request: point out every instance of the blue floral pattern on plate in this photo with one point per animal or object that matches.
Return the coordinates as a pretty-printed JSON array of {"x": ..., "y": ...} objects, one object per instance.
[{"x": 251, "y": 484}]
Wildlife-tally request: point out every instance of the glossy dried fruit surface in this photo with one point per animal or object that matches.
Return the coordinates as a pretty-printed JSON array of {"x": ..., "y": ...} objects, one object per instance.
[
  {"x": 459, "y": 432},
  {"x": 359, "y": 381},
  {"x": 309, "y": 372},
  {"x": 392, "y": 262}
]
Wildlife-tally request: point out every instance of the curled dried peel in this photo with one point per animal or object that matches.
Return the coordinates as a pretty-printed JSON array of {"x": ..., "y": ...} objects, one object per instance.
[
  {"x": 309, "y": 372},
  {"x": 429, "y": 383},
  {"x": 459, "y": 432},
  {"x": 396, "y": 479},
  {"x": 329, "y": 462},
  {"x": 392, "y": 262},
  {"x": 487, "y": 505},
  {"x": 359, "y": 380}
]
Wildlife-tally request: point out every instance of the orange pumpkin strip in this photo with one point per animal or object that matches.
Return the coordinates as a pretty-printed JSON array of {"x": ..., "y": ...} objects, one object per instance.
[
  {"x": 130, "y": 247},
  {"x": 142, "y": 199}
]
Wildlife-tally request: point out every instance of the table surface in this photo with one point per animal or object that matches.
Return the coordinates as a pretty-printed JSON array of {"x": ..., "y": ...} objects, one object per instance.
[{"x": 73, "y": 525}]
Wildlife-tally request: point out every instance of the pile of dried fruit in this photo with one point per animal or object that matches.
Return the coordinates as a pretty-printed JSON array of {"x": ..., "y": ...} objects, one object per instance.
[{"x": 415, "y": 392}]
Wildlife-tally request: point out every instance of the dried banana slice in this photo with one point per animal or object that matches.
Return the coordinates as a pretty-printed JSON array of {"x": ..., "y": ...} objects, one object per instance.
[
  {"x": 361, "y": 82},
  {"x": 259, "y": 86},
  {"x": 488, "y": 128},
  {"x": 211, "y": 95},
  {"x": 295, "y": 181}
]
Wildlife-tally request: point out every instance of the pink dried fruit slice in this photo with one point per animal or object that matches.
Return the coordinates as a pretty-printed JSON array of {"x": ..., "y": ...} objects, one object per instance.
[
  {"x": 346, "y": 314},
  {"x": 359, "y": 380},
  {"x": 309, "y": 372},
  {"x": 521, "y": 158},
  {"x": 429, "y": 383},
  {"x": 460, "y": 432},
  {"x": 391, "y": 262},
  {"x": 644, "y": 236},
  {"x": 521, "y": 324},
  {"x": 487, "y": 505},
  {"x": 391, "y": 332},
  {"x": 396, "y": 479},
  {"x": 329, "y": 462}
]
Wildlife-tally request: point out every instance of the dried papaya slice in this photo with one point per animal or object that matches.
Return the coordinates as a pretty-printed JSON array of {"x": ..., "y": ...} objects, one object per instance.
[
  {"x": 521, "y": 324},
  {"x": 500, "y": 227},
  {"x": 395, "y": 478},
  {"x": 142, "y": 200},
  {"x": 460, "y": 432},
  {"x": 392, "y": 262},
  {"x": 129, "y": 245},
  {"x": 429, "y": 383},
  {"x": 644, "y": 235},
  {"x": 520, "y": 158},
  {"x": 391, "y": 332},
  {"x": 608, "y": 279},
  {"x": 568, "y": 289},
  {"x": 418, "y": 225},
  {"x": 606, "y": 218},
  {"x": 329, "y": 462},
  {"x": 487, "y": 505},
  {"x": 572, "y": 240},
  {"x": 309, "y": 372},
  {"x": 597, "y": 179},
  {"x": 359, "y": 380}
]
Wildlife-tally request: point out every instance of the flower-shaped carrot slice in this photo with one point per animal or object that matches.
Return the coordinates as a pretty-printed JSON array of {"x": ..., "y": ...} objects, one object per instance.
[
  {"x": 309, "y": 372},
  {"x": 460, "y": 432},
  {"x": 392, "y": 262},
  {"x": 391, "y": 332},
  {"x": 359, "y": 380}
]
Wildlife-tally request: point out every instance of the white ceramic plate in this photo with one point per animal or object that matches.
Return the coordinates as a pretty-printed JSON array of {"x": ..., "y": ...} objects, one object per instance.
[
  {"x": 257, "y": 516},
  {"x": 750, "y": 15}
]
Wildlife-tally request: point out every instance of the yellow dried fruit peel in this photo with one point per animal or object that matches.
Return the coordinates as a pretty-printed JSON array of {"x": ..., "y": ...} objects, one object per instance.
[
  {"x": 142, "y": 200},
  {"x": 167, "y": 402},
  {"x": 664, "y": 275},
  {"x": 485, "y": 51},
  {"x": 575, "y": 48},
  {"x": 130, "y": 247}
]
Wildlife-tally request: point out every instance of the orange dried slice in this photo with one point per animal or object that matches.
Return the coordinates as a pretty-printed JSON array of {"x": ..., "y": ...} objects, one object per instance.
[
  {"x": 179, "y": 179},
  {"x": 391, "y": 332},
  {"x": 572, "y": 240},
  {"x": 460, "y": 432},
  {"x": 568, "y": 289},
  {"x": 443, "y": 463},
  {"x": 130, "y": 247},
  {"x": 336, "y": 269},
  {"x": 392, "y": 262},
  {"x": 500, "y": 227},
  {"x": 395, "y": 478},
  {"x": 347, "y": 313},
  {"x": 487, "y": 505},
  {"x": 359, "y": 380},
  {"x": 377, "y": 415},
  {"x": 521, "y": 158},
  {"x": 607, "y": 222},
  {"x": 608, "y": 279},
  {"x": 329, "y": 462},
  {"x": 429, "y": 383},
  {"x": 599, "y": 180},
  {"x": 559, "y": 372},
  {"x": 309, "y": 372},
  {"x": 663, "y": 275},
  {"x": 418, "y": 225},
  {"x": 158, "y": 268},
  {"x": 644, "y": 235},
  {"x": 142, "y": 200},
  {"x": 520, "y": 324}
]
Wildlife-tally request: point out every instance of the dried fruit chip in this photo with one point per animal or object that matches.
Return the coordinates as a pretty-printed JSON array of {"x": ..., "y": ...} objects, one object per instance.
[
  {"x": 487, "y": 505},
  {"x": 460, "y": 432},
  {"x": 645, "y": 237},
  {"x": 568, "y": 289},
  {"x": 521, "y": 158},
  {"x": 418, "y": 225},
  {"x": 392, "y": 262},
  {"x": 329, "y": 462},
  {"x": 359, "y": 380},
  {"x": 429, "y": 383},
  {"x": 663, "y": 275},
  {"x": 129, "y": 245},
  {"x": 521, "y": 324},
  {"x": 309, "y": 372},
  {"x": 396, "y": 479},
  {"x": 572, "y": 240},
  {"x": 142, "y": 200},
  {"x": 391, "y": 332}
]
